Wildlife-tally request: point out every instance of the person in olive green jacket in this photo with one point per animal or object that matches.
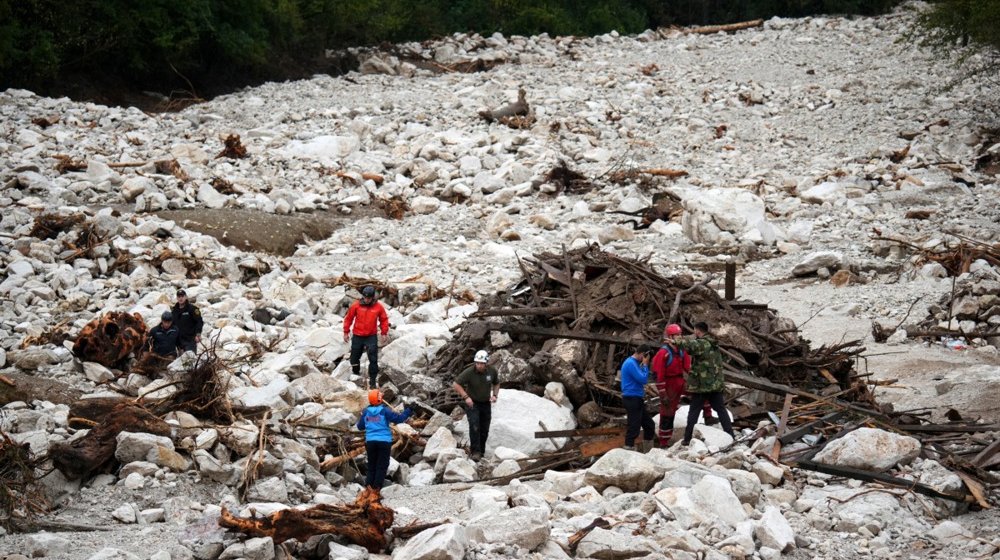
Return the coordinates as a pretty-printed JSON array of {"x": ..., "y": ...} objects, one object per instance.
[{"x": 705, "y": 381}]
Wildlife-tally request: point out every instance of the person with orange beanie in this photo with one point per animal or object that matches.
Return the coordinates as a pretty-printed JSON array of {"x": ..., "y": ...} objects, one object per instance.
[{"x": 375, "y": 420}]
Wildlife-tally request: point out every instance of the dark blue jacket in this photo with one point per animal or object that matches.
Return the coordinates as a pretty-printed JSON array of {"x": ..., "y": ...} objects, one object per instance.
[
  {"x": 163, "y": 341},
  {"x": 634, "y": 377},
  {"x": 375, "y": 422}
]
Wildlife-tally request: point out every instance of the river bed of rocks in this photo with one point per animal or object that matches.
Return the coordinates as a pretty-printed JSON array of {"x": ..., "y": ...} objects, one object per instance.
[{"x": 803, "y": 141}]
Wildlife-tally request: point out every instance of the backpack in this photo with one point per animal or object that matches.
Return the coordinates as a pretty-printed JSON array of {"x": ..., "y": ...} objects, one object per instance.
[{"x": 684, "y": 356}]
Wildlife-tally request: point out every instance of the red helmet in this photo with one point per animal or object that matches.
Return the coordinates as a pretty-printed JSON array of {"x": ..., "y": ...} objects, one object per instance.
[
  {"x": 672, "y": 330},
  {"x": 374, "y": 397}
]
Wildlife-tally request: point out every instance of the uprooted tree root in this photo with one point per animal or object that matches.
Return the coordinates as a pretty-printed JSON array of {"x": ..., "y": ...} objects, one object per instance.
[
  {"x": 95, "y": 452},
  {"x": 22, "y": 496},
  {"x": 110, "y": 339},
  {"x": 568, "y": 180},
  {"x": 234, "y": 148},
  {"x": 363, "y": 523},
  {"x": 50, "y": 225}
]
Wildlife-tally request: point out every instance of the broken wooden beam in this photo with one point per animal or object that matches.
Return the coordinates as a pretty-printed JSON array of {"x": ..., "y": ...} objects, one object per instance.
[
  {"x": 584, "y": 432},
  {"x": 730, "y": 281},
  {"x": 806, "y": 428},
  {"x": 727, "y": 28},
  {"x": 889, "y": 480},
  {"x": 363, "y": 523}
]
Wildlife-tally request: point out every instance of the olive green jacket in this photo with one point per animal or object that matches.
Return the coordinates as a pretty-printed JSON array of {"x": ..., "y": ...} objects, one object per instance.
[{"x": 706, "y": 365}]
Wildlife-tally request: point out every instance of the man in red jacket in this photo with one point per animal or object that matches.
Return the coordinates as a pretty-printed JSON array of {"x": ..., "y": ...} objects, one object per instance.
[
  {"x": 368, "y": 317},
  {"x": 669, "y": 366}
]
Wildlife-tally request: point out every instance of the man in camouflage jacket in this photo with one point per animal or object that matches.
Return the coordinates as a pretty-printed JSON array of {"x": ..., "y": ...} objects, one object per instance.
[{"x": 705, "y": 381}]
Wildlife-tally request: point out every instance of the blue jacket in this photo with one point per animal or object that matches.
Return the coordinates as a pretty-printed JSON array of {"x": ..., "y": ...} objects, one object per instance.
[
  {"x": 634, "y": 377},
  {"x": 375, "y": 422}
]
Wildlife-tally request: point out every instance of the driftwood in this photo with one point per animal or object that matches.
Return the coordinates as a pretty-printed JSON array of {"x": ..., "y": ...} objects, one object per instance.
[
  {"x": 870, "y": 476},
  {"x": 728, "y": 28},
  {"x": 363, "y": 523},
  {"x": 95, "y": 452},
  {"x": 110, "y": 339}
]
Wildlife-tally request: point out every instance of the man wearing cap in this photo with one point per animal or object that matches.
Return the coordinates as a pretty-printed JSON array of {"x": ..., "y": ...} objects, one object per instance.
[
  {"x": 479, "y": 386},
  {"x": 705, "y": 381},
  {"x": 187, "y": 319},
  {"x": 368, "y": 318},
  {"x": 163, "y": 339},
  {"x": 670, "y": 365}
]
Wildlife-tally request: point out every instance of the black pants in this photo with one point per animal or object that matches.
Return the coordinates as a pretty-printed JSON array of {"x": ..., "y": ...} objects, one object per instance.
[
  {"x": 378, "y": 462},
  {"x": 638, "y": 417},
  {"x": 718, "y": 402},
  {"x": 479, "y": 416},
  {"x": 360, "y": 344},
  {"x": 188, "y": 345}
]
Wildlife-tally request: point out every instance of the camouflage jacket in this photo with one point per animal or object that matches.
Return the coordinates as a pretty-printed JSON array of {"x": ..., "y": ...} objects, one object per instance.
[{"x": 706, "y": 368}]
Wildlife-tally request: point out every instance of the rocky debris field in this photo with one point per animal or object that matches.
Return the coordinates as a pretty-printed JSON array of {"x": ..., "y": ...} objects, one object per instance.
[{"x": 821, "y": 154}]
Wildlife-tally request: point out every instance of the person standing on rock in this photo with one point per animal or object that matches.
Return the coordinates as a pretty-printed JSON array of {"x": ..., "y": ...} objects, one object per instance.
[
  {"x": 375, "y": 420},
  {"x": 164, "y": 339},
  {"x": 187, "y": 319},
  {"x": 634, "y": 375},
  {"x": 669, "y": 366},
  {"x": 705, "y": 381},
  {"x": 479, "y": 386},
  {"x": 368, "y": 318}
]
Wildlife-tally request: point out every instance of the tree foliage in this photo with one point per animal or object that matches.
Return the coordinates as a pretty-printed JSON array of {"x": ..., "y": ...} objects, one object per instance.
[{"x": 156, "y": 43}]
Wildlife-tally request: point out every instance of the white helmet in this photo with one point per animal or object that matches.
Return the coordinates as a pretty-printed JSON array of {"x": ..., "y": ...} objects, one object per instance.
[{"x": 481, "y": 357}]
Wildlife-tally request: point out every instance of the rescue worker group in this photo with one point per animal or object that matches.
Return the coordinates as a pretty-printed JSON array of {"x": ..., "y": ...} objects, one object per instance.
[{"x": 682, "y": 366}]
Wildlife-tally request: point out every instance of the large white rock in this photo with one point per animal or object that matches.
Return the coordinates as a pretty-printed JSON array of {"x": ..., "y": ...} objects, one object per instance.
[
  {"x": 870, "y": 449},
  {"x": 441, "y": 440},
  {"x": 516, "y": 415},
  {"x": 211, "y": 197},
  {"x": 459, "y": 470},
  {"x": 444, "y": 542},
  {"x": 824, "y": 192},
  {"x": 527, "y": 527},
  {"x": 711, "y": 211},
  {"x": 711, "y": 499},
  {"x": 324, "y": 147},
  {"x": 325, "y": 345},
  {"x": 812, "y": 262},
  {"x": 629, "y": 470},
  {"x": 424, "y": 204},
  {"x": 565, "y": 483},
  {"x": 133, "y": 446},
  {"x": 271, "y": 395},
  {"x": 612, "y": 545},
  {"x": 774, "y": 531},
  {"x": 47, "y": 544}
]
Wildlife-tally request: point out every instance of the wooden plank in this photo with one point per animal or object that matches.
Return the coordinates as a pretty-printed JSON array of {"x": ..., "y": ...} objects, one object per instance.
[
  {"x": 985, "y": 455},
  {"x": 727, "y": 28},
  {"x": 600, "y": 447},
  {"x": 949, "y": 428},
  {"x": 869, "y": 476},
  {"x": 808, "y": 427},
  {"x": 582, "y": 432},
  {"x": 828, "y": 376},
  {"x": 975, "y": 488},
  {"x": 730, "y": 280},
  {"x": 782, "y": 422}
]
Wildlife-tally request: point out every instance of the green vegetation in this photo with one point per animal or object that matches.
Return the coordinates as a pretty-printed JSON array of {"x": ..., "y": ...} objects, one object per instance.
[
  {"x": 964, "y": 22},
  {"x": 161, "y": 44}
]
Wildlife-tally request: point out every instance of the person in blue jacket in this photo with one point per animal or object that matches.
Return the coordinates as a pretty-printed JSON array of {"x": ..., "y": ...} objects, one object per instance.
[
  {"x": 375, "y": 421},
  {"x": 634, "y": 375}
]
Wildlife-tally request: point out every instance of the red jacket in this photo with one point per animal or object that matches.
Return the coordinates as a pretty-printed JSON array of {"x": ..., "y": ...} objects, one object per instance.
[
  {"x": 679, "y": 364},
  {"x": 364, "y": 318}
]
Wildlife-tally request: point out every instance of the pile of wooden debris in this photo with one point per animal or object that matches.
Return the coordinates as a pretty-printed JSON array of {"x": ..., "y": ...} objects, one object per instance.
[{"x": 577, "y": 315}]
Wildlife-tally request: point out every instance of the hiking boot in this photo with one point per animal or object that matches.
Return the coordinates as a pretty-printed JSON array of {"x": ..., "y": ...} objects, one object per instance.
[
  {"x": 711, "y": 421},
  {"x": 476, "y": 456},
  {"x": 628, "y": 447}
]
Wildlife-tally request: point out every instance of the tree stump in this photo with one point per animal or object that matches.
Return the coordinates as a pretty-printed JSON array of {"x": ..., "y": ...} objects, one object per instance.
[{"x": 363, "y": 523}]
